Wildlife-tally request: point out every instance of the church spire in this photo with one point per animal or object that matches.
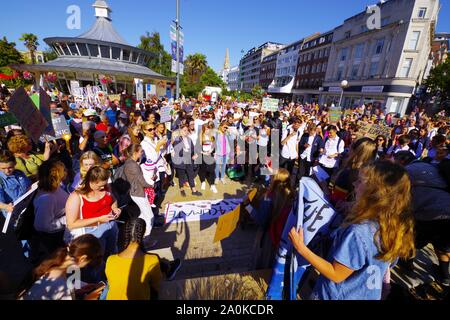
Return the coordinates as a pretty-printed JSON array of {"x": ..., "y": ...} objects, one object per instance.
[{"x": 226, "y": 65}]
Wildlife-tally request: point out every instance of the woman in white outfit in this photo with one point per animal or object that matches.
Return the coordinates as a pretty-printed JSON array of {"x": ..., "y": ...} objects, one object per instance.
[{"x": 135, "y": 178}]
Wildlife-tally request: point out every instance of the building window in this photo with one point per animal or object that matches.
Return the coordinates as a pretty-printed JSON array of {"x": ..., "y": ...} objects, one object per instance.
[
  {"x": 355, "y": 70},
  {"x": 116, "y": 53},
  {"x": 66, "y": 49},
  {"x": 340, "y": 73},
  {"x": 406, "y": 68},
  {"x": 414, "y": 40},
  {"x": 373, "y": 69},
  {"x": 300, "y": 59},
  {"x": 348, "y": 34},
  {"x": 313, "y": 69},
  {"x": 93, "y": 49},
  {"x": 322, "y": 40},
  {"x": 344, "y": 53},
  {"x": 379, "y": 46},
  {"x": 422, "y": 13},
  {"x": 359, "y": 49},
  {"x": 324, "y": 67},
  {"x": 83, "y": 49},
  {"x": 73, "y": 49},
  {"x": 106, "y": 52}
]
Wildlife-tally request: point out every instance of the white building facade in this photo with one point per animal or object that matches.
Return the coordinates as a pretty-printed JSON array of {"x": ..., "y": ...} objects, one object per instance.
[
  {"x": 233, "y": 79},
  {"x": 383, "y": 66},
  {"x": 287, "y": 62}
]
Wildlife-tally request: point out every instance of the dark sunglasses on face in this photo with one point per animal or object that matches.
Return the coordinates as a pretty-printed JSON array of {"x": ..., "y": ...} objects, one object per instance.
[{"x": 150, "y": 129}]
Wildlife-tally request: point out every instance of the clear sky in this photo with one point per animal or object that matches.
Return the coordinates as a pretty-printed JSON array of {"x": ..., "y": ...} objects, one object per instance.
[{"x": 210, "y": 26}]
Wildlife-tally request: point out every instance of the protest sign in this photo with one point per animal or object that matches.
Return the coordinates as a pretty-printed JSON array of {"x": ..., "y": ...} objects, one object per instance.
[
  {"x": 372, "y": 131},
  {"x": 316, "y": 216},
  {"x": 61, "y": 129},
  {"x": 228, "y": 222},
  {"x": 379, "y": 130},
  {"x": 28, "y": 116},
  {"x": 199, "y": 210},
  {"x": 20, "y": 205},
  {"x": 44, "y": 107},
  {"x": 114, "y": 97},
  {"x": 335, "y": 114},
  {"x": 270, "y": 104},
  {"x": 7, "y": 119},
  {"x": 165, "y": 114}
]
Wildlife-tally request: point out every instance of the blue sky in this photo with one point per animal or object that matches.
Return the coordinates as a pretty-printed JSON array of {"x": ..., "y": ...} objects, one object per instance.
[{"x": 210, "y": 26}]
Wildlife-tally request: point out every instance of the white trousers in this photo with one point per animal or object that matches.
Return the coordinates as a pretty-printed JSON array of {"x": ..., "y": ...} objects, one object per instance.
[{"x": 146, "y": 213}]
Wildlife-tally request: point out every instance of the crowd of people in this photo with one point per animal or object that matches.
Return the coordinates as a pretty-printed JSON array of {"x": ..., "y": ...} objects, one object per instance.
[{"x": 99, "y": 192}]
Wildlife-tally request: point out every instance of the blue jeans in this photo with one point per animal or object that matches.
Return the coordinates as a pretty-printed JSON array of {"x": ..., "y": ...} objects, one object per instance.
[
  {"x": 221, "y": 166},
  {"x": 108, "y": 234}
]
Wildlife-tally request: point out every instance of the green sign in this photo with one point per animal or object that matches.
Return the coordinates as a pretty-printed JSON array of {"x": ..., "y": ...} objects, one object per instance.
[
  {"x": 270, "y": 104},
  {"x": 7, "y": 119},
  {"x": 335, "y": 114}
]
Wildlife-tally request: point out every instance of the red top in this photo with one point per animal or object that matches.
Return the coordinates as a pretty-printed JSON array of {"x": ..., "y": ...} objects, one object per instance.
[
  {"x": 98, "y": 208},
  {"x": 277, "y": 227}
]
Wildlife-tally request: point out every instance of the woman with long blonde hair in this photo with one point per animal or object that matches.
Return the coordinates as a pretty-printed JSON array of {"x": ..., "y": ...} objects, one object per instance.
[
  {"x": 378, "y": 230},
  {"x": 88, "y": 160},
  {"x": 363, "y": 152},
  {"x": 270, "y": 211}
]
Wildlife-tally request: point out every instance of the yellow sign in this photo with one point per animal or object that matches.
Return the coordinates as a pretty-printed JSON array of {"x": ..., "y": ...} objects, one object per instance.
[
  {"x": 229, "y": 221},
  {"x": 227, "y": 224}
]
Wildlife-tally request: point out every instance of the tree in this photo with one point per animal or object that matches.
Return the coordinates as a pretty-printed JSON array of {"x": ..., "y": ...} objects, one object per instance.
[
  {"x": 9, "y": 54},
  {"x": 439, "y": 81},
  {"x": 257, "y": 92},
  {"x": 211, "y": 78},
  {"x": 162, "y": 60},
  {"x": 31, "y": 42},
  {"x": 49, "y": 55},
  {"x": 195, "y": 66}
]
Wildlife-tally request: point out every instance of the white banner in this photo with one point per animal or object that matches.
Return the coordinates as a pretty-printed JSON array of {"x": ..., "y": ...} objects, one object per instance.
[
  {"x": 199, "y": 210},
  {"x": 174, "y": 67}
]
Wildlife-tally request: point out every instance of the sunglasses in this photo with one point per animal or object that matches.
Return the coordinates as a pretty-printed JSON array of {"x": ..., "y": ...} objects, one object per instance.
[{"x": 150, "y": 129}]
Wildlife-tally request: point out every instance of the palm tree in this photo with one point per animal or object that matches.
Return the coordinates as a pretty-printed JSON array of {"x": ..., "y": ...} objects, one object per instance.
[
  {"x": 196, "y": 65},
  {"x": 31, "y": 42}
]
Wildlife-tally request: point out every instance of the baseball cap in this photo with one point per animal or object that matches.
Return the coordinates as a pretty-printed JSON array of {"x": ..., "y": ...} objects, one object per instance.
[{"x": 90, "y": 113}]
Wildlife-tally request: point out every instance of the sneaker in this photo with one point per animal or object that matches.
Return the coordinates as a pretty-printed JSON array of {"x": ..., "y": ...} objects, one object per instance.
[
  {"x": 203, "y": 186},
  {"x": 214, "y": 189},
  {"x": 197, "y": 194},
  {"x": 174, "y": 267},
  {"x": 153, "y": 206},
  {"x": 223, "y": 181}
]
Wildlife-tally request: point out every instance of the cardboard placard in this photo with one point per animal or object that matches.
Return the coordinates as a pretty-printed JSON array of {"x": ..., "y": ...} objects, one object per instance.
[
  {"x": 61, "y": 129},
  {"x": 270, "y": 104},
  {"x": 335, "y": 115},
  {"x": 165, "y": 113},
  {"x": 26, "y": 113}
]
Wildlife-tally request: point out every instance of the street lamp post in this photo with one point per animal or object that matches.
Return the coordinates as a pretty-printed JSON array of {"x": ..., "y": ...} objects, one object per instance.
[
  {"x": 344, "y": 84},
  {"x": 178, "y": 50}
]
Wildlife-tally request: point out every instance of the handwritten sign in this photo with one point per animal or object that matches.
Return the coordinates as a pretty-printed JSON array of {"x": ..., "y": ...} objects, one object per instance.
[
  {"x": 335, "y": 114},
  {"x": 199, "y": 210},
  {"x": 374, "y": 130},
  {"x": 270, "y": 104},
  {"x": 20, "y": 205},
  {"x": 7, "y": 119},
  {"x": 165, "y": 113},
  {"x": 26, "y": 113},
  {"x": 61, "y": 129}
]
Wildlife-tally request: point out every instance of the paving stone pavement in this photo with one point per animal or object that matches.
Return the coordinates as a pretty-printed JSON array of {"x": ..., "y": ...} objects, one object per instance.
[{"x": 192, "y": 242}]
